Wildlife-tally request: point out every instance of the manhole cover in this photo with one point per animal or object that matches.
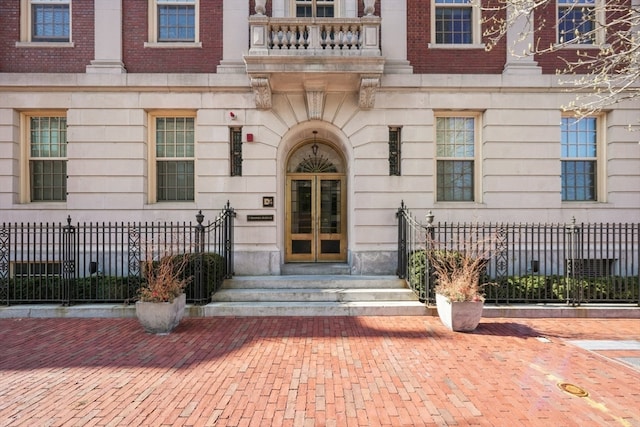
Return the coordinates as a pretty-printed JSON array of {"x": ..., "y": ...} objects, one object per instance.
[{"x": 573, "y": 389}]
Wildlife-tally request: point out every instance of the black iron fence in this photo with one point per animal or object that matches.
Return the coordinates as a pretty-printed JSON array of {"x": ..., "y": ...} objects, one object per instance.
[
  {"x": 533, "y": 263},
  {"x": 104, "y": 262}
]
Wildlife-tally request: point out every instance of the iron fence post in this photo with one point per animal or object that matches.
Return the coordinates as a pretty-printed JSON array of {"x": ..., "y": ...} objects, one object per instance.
[
  {"x": 68, "y": 260},
  {"x": 401, "y": 269},
  {"x": 133, "y": 260},
  {"x": 200, "y": 287},
  {"x": 572, "y": 263},
  {"x": 229, "y": 214},
  {"x": 429, "y": 234},
  {"x": 5, "y": 247},
  {"x": 502, "y": 259}
]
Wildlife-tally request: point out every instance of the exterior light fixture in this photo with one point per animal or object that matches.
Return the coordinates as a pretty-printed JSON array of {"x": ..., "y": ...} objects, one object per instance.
[{"x": 314, "y": 147}]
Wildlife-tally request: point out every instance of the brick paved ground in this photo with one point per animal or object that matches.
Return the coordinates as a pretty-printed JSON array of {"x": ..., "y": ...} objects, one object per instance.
[{"x": 355, "y": 371}]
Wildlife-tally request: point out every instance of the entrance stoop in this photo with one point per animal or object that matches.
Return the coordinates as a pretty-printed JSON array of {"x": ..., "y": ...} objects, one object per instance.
[
  {"x": 315, "y": 269},
  {"x": 315, "y": 295}
]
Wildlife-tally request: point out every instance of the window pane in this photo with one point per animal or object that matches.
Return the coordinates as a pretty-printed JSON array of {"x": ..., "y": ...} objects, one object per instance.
[
  {"x": 579, "y": 180},
  {"x": 176, "y": 23},
  {"x": 394, "y": 151},
  {"x": 175, "y": 137},
  {"x": 50, "y": 22},
  {"x": 48, "y": 137},
  {"x": 48, "y": 180},
  {"x": 574, "y": 22},
  {"x": 453, "y": 25},
  {"x": 48, "y": 140},
  {"x": 455, "y": 136},
  {"x": 235, "y": 144},
  {"x": 578, "y": 137},
  {"x": 175, "y": 180},
  {"x": 454, "y": 180},
  {"x": 579, "y": 141},
  {"x": 330, "y": 199},
  {"x": 325, "y": 12},
  {"x": 323, "y": 9}
]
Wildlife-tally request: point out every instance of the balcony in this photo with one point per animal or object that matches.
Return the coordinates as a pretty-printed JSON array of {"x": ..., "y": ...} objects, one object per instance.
[{"x": 315, "y": 55}]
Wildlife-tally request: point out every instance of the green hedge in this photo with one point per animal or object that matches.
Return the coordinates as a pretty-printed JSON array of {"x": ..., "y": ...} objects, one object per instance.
[
  {"x": 213, "y": 270},
  {"x": 538, "y": 288},
  {"x": 111, "y": 288}
]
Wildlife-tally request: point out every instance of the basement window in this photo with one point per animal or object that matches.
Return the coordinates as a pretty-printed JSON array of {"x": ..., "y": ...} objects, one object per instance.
[{"x": 36, "y": 269}]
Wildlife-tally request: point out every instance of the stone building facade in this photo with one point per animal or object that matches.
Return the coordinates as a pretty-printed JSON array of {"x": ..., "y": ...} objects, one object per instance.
[{"x": 314, "y": 119}]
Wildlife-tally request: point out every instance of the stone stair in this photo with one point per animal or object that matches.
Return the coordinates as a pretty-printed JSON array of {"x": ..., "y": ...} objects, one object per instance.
[{"x": 315, "y": 295}]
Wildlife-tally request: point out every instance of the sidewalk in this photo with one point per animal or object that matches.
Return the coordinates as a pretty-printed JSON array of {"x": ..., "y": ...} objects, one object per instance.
[{"x": 317, "y": 371}]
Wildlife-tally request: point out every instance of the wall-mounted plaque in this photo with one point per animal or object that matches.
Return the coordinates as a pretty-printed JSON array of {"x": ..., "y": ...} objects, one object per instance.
[{"x": 259, "y": 217}]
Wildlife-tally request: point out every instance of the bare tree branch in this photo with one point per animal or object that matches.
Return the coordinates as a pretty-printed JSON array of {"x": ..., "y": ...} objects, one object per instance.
[{"x": 603, "y": 42}]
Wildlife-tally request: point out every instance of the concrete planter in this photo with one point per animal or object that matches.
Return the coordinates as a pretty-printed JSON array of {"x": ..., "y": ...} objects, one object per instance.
[
  {"x": 161, "y": 317},
  {"x": 459, "y": 316}
]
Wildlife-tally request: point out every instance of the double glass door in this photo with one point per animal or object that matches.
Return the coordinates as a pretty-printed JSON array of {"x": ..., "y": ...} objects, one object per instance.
[{"x": 316, "y": 218}]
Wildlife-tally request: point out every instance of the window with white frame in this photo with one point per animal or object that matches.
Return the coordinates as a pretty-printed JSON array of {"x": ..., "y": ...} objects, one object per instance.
[
  {"x": 576, "y": 21},
  {"x": 455, "y": 22},
  {"x": 173, "y": 21},
  {"x": 455, "y": 158},
  {"x": 579, "y": 145},
  {"x": 46, "y": 156},
  {"x": 315, "y": 8},
  {"x": 45, "y": 21},
  {"x": 172, "y": 158}
]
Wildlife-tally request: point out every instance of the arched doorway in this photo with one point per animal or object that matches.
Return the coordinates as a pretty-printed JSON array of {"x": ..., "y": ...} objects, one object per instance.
[{"x": 316, "y": 199}]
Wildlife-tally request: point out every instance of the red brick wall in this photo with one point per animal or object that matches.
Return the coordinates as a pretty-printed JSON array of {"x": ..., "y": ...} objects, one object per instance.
[
  {"x": 138, "y": 59},
  {"x": 439, "y": 60},
  {"x": 46, "y": 60}
]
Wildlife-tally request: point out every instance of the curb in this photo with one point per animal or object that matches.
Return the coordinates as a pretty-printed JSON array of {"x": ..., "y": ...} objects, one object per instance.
[{"x": 600, "y": 311}]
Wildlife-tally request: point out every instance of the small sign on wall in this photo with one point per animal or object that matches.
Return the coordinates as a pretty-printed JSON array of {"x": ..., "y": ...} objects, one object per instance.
[
  {"x": 252, "y": 218},
  {"x": 267, "y": 201}
]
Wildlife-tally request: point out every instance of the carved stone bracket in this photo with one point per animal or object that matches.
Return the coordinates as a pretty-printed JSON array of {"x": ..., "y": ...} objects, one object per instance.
[
  {"x": 315, "y": 94},
  {"x": 315, "y": 103},
  {"x": 262, "y": 92},
  {"x": 368, "y": 88}
]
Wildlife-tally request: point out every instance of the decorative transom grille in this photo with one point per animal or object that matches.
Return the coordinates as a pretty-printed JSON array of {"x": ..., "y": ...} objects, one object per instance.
[{"x": 316, "y": 164}]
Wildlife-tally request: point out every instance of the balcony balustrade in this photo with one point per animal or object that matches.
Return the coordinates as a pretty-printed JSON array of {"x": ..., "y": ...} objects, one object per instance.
[
  {"x": 315, "y": 37},
  {"x": 314, "y": 54}
]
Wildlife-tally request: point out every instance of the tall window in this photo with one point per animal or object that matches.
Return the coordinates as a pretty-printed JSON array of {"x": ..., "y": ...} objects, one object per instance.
[
  {"x": 315, "y": 8},
  {"x": 579, "y": 154},
  {"x": 455, "y": 154},
  {"x": 47, "y": 141},
  {"x": 394, "y": 151},
  {"x": 576, "y": 21},
  {"x": 455, "y": 22},
  {"x": 173, "y": 21},
  {"x": 174, "y": 149},
  {"x": 235, "y": 143},
  {"x": 45, "y": 21}
]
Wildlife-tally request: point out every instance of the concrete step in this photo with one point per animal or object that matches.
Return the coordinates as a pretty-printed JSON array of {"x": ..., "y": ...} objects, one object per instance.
[
  {"x": 313, "y": 295},
  {"x": 360, "y": 308},
  {"x": 314, "y": 281},
  {"x": 315, "y": 269}
]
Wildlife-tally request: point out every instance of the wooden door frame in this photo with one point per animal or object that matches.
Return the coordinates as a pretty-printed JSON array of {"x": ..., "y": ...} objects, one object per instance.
[{"x": 316, "y": 238}]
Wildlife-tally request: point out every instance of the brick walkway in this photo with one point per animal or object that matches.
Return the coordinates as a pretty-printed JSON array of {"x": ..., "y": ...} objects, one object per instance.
[{"x": 355, "y": 371}]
